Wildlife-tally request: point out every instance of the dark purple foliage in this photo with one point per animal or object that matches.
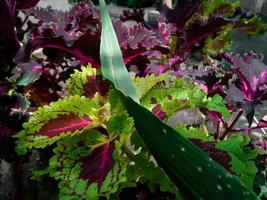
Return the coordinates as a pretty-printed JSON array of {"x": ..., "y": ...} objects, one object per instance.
[
  {"x": 53, "y": 90},
  {"x": 213, "y": 84},
  {"x": 181, "y": 13},
  {"x": 9, "y": 41},
  {"x": 13, "y": 111},
  {"x": 193, "y": 28},
  {"x": 4, "y": 88},
  {"x": 136, "y": 15},
  {"x": 74, "y": 34},
  {"x": 219, "y": 156},
  {"x": 198, "y": 32},
  {"x": 244, "y": 88},
  {"x": 250, "y": 88},
  {"x": 26, "y": 73},
  {"x": 96, "y": 167},
  {"x": 77, "y": 35},
  {"x": 140, "y": 44},
  {"x": 96, "y": 84}
]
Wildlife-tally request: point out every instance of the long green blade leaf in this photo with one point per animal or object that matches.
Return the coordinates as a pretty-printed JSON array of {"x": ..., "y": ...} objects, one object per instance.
[
  {"x": 191, "y": 170},
  {"x": 112, "y": 64}
]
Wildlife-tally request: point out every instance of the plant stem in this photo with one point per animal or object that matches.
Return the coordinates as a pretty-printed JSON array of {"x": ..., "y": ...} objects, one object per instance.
[
  {"x": 229, "y": 128},
  {"x": 22, "y": 24}
]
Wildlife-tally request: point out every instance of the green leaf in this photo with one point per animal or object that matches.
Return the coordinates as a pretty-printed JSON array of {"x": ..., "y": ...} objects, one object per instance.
[
  {"x": 69, "y": 116},
  {"x": 195, "y": 174},
  {"x": 218, "y": 44},
  {"x": 242, "y": 163},
  {"x": 120, "y": 124},
  {"x": 191, "y": 132},
  {"x": 216, "y": 104},
  {"x": 75, "y": 166},
  {"x": 144, "y": 84},
  {"x": 30, "y": 72},
  {"x": 80, "y": 187},
  {"x": 77, "y": 80},
  {"x": 252, "y": 26},
  {"x": 184, "y": 162},
  {"x": 112, "y": 64},
  {"x": 144, "y": 169},
  {"x": 213, "y": 6}
]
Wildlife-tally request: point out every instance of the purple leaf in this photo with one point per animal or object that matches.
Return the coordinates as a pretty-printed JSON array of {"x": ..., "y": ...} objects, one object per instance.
[
  {"x": 234, "y": 94},
  {"x": 13, "y": 109},
  {"x": 136, "y": 15},
  {"x": 9, "y": 43},
  {"x": 85, "y": 48},
  {"x": 262, "y": 124},
  {"x": 6, "y": 130},
  {"x": 8, "y": 40},
  {"x": 63, "y": 124},
  {"x": 4, "y": 88},
  {"x": 76, "y": 35},
  {"x": 219, "y": 156},
  {"x": 51, "y": 92},
  {"x": 25, "y": 4},
  {"x": 251, "y": 72},
  {"x": 140, "y": 44},
  {"x": 96, "y": 167},
  {"x": 60, "y": 34},
  {"x": 157, "y": 111},
  {"x": 96, "y": 84},
  {"x": 26, "y": 73},
  {"x": 200, "y": 31},
  {"x": 181, "y": 13}
]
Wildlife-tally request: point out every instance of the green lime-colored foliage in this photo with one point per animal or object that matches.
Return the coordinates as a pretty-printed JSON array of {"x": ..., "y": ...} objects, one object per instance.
[
  {"x": 166, "y": 145},
  {"x": 35, "y": 133},
  {"x": 144, "y": 169},
  {"x": 253, "y": 26},
  {"x": 242, "y": 157},
  {"x": 105, "y": 143},
  {"x": 70, "y": 155},
  {"x": 77, "y": 81},
  {"x": 144, "y": 85},
  {"x": 218, "y": 44},
  {"x": 67, "y": 165},
  {"x": 220, "y": 6},
  {"x": 195, "y": 133},
  {"x": 177, "y": 94}
]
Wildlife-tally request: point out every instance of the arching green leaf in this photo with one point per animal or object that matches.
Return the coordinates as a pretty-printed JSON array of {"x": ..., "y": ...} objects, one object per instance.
[
  {"x": 113, "y": 67},
  {"x": 191, "y": 170}
]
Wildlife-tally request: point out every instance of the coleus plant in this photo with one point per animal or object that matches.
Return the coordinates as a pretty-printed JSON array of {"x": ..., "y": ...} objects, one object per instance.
[
  {"x": 90, "y": 129},
  {"x": 61, "y": 42},
  {"x": 201, "y": 38},
  {"x": 9, "y": 39},
  {"x": 70, "y": 39},
  {"x": 96, "y": 129},
  {"x": 165, "y": 138},
  {"x": 88, "y": 109},
  {"x": 242, "y": 84},
  {"x": 203, "y": 29}
]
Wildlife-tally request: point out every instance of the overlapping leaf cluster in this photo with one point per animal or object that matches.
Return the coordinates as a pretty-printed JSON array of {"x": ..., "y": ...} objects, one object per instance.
[{"x": 73, "y": 117}]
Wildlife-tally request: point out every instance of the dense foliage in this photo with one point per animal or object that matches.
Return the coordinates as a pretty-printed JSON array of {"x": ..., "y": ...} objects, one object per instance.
[
  {"x": 128, "y": 3},
  {"x": 63, "y": 125}
]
